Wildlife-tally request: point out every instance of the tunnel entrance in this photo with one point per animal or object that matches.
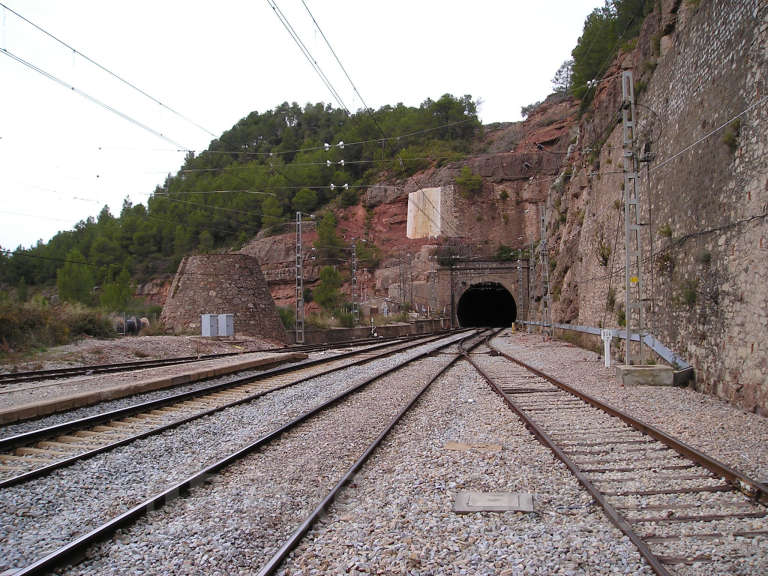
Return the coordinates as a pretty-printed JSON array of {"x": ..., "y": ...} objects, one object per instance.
[{"x": 486, "y": 304}]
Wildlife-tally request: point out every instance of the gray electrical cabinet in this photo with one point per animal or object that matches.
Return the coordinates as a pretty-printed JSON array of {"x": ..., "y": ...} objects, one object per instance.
[
  {"x": 227, "y": 325},
  {"x": 210, "y": 325}
]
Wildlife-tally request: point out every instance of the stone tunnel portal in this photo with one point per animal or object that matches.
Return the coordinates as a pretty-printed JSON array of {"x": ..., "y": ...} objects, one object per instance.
[{"x": 486, "y": 304}]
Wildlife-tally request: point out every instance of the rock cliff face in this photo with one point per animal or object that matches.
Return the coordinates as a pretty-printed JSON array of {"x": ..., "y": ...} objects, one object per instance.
[
  {"x": 702, "y": 108},
  {"x": 700, "y": 77}
]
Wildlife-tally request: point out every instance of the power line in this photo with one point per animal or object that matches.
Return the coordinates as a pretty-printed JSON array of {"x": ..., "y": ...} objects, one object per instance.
[
  {"x": 307, "y": 54},
  {"x": 334, "y": 55},
  {"x": 706, "y": 136},
  {"x": 108, "y": 71},
  {"x": 211, "y": 207},
  {"x": 365, "y": 105},
  {"x": 344, "y": 144},
  {"x": 91, "y": 98}
]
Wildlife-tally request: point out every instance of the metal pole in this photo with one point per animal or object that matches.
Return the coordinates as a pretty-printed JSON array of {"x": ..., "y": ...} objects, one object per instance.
[
  {"x": 299, "y": 284},
  {"x": 633, "y": 310},
  {"x": 531, "y": 295},
  {"x": 547, "y": 293},
  {"x": 355, "y": 308}
]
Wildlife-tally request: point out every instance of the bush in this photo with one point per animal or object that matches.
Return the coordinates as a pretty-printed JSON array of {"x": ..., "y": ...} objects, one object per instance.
[
  {"x": 731, "y": 135},
  {"x": 346, "y": 319},
  {"x": 469, "y": 184},
  {"x": 526, "y": 111},
  {"x": 287, "y": 317},
  {"x": 35, "y": 324}
]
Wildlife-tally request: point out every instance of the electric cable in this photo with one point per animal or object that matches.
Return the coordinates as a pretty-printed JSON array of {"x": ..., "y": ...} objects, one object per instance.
[
  {"x": 108, "y": 71},
  {"x": 91, "y": 98},
  {"x": 307, "y": 54}
]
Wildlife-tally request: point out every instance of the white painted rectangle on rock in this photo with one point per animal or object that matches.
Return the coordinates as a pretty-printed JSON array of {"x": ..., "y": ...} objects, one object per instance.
[
  {"x": 424, "y": 213},
  {"x": 470, "y": 501}
]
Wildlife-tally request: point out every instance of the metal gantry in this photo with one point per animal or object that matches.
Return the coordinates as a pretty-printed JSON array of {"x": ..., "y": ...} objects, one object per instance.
[
  {"x": 531, "y": 291},
  {"x": 355, "y": 299},
  {"x": 633, "y": 282},
  {"x": 299, "y": 284},
  {"x": 546, "y": 296}
]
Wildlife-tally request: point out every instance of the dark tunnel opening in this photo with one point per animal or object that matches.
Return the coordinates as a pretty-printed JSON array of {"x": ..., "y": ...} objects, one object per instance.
[{"x": 486, "y": 304}]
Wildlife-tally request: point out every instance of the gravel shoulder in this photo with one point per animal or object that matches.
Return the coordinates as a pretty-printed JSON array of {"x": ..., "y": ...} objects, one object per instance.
[
  {"x": 14, "y": 395},
  {"x": 733, "y": 436},
  {"x": 90, "y": 351}
]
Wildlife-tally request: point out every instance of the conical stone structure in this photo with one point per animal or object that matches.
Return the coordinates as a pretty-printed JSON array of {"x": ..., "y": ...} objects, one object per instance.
[{"x": 222, "y": 284}]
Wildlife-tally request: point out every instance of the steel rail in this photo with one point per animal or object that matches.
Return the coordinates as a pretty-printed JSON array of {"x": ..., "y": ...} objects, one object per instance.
[
  {"x": 47, "y": 469},
  {"x": 55, "y": 373},
  {"x": 293, "y": 541},
  {"x": 58, "y": 557},
  {"x": 613, "y": 515},
  {"x": 11, "y": 442},
  {"x": 14, "y": 377},
  {"x": 752, "y": 488}
]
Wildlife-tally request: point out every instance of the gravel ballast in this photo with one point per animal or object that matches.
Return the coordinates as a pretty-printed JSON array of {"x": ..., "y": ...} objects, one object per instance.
[
  {"x": 41, "y": 515},
  {"x": 233, "y": 525},
  {"x": 397, "y": 518},
  {"x": 733, "y": 436}
]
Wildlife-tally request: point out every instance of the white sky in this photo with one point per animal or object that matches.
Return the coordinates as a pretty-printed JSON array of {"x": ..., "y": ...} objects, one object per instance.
[{"x": 62, "y": 157}]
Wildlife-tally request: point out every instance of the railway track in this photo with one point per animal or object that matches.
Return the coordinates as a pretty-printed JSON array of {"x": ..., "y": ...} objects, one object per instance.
[
  {"x": 57, "y": 373},
  {"x": 273, "y": 563},
  {"x": 683, "y": 510},
  {"x": 344, "y": 400},
  {"x": 30, "y": 455}
]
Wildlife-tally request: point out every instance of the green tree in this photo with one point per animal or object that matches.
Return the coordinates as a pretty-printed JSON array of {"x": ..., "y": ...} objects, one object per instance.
[
  {"x": 273, "y": 212},
  {"x": 74, "y": 280},
  {"x": 327, "y": 294},
  {"x": 328, "y": 243},
  {"x": 561, "y": 82},
  {"x": 116, "y": 294},
  {"x": 469, "y": 183},
  {"x": 305, "y": 200},
  {"x": 205, "y": 243}
]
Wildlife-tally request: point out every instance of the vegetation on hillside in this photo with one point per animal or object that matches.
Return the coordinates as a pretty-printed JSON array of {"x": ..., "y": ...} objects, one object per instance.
[
  {"x": 606, "y": 30},
  {"x": 253, "y": 177},
  {"x": 37, "y": 324}
]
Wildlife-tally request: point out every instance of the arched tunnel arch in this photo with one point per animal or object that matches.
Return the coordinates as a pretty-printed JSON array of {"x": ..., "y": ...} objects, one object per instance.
[{"x": 486, "y": 304}]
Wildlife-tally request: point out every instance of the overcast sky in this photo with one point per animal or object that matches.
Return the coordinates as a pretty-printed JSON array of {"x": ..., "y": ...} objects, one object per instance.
[{"x": 63, "y": 157}]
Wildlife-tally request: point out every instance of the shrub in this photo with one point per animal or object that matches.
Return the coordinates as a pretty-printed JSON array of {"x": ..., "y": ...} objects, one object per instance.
[
  {"x": 731, "y": 135},
  {"x": 525, "y": 111},
  {"x": 665, "y": 231},
  {"x": 689, "y": 289},
  {"x": 346, "y": 319},
  {"x": 35, "y": 324},
  {"x": 469, "y": 184},
  {"x": 287, "y": 317}
]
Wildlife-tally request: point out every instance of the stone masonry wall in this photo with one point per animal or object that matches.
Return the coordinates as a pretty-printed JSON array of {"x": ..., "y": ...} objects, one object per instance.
[
  {"x": 704, "y": 196},
  {"x": 222, "y": 284}
]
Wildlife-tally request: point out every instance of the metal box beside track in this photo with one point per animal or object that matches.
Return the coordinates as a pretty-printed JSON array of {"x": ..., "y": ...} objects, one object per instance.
[{"x": 209, "y": 323}]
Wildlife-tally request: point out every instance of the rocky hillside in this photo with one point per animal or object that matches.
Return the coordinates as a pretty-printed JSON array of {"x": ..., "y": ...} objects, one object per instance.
[{"x": 699, "y": 72}]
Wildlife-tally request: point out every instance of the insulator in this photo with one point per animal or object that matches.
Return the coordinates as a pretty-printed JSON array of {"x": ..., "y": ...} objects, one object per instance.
[
  {"x": 333, "y": 187},
  {"x": 326, "y": 146},
  {"x": 341, "y": 144},
  {"x": 341, "y": 162},
  {"x": 328, "y": 163}
]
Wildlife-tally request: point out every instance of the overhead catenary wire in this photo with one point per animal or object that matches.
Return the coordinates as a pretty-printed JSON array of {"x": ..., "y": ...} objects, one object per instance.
[
  {"x": 96, "y": 101},
  {"x": 345, "y": 144},
  {"x": 108, "y": 71},
  {"x": 307, "y": 54},
  {"x": 710, "y": 134}
]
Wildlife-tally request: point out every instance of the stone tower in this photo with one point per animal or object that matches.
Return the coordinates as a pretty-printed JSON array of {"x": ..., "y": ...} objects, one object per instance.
[{"x": 222, "y": 284}]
